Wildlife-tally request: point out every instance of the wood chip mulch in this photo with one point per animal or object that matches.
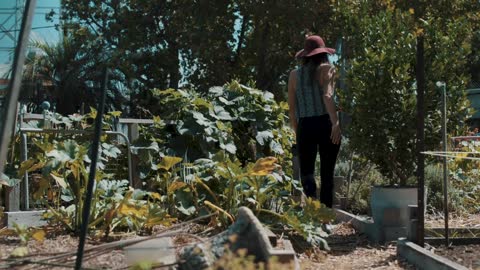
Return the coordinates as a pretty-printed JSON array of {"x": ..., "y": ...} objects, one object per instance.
[
  {"x": 350, "y": 250},
  {"x": 468, "y": 255}
]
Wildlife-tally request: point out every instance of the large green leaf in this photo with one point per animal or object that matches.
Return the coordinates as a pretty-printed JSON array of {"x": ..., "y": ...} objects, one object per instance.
[
  {"x": 110, "y": 150},
  {"x": 264, "y": 136},
  {"x": 7, "y": 181}
]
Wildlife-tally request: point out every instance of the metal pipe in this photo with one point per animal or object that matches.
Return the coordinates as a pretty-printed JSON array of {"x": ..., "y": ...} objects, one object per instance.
[
  {"x": 93, "y": 169},
  {"x": 443, "y": 87},
  {"x": 75, "y": 131}
]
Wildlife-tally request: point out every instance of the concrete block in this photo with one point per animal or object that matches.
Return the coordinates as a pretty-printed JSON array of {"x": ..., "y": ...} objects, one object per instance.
[
  {"x": 271, "y": 236},
  {"x": 286, "y": 254},
  {"x": 27, "y": 218},
  {"x": 158, "y": 251}
]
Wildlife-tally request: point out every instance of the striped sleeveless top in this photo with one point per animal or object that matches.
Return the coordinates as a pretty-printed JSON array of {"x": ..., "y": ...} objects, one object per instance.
[{"x": 308, "y": 95}]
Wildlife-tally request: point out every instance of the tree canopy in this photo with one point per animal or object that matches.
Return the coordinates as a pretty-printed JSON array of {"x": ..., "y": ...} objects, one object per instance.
[{"x": 167, "y": 44}]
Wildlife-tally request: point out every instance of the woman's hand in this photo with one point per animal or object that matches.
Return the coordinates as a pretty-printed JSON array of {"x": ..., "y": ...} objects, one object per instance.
[{"x": 336, "y": 134}]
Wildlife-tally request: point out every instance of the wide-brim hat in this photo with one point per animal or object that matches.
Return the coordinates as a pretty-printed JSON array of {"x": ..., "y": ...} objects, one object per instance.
[{"x": 313, "y": 45}]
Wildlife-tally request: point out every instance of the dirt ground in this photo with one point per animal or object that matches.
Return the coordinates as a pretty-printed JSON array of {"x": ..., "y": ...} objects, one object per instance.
[
  {"x": 468, "y": 256},
  {"x": 455, "y": 221},
  {"x": 349, "y": 250}
]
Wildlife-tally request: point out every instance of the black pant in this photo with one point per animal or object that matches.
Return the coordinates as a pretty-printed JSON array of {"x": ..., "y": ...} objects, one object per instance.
[{"x": 313, "y": 135}]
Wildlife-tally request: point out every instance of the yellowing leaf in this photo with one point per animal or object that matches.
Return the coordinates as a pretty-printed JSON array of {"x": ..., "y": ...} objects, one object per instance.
[
  {"x": 39, "y": 235},
  {"x": 175, "y": 186},
  {"x": 155, "y": 195},
  {"x": 115, "y": 113},
  {"x": 19, "y": 252},
  {"x": 411, "y": 10},
  {"x": 60, "y": 181},
  {"x": 419, "y": 32},
  {"x": 168, "y": 162},
  {"x": 129, "y": 210},
  {"x": 264, "y": 166},
  {"x": 93, "y": 112},
  {"x": 157, "y": 120},
  {"x": 460, "y": 156}
]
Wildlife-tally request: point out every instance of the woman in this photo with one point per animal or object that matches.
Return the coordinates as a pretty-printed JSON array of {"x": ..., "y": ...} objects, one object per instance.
[{"x": 314, "y": 118}]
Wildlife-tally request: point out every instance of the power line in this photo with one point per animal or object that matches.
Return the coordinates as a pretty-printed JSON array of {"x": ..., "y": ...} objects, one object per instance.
[
  {"x": 33, "y": 28},
  {"x": 45, "y": 7}
]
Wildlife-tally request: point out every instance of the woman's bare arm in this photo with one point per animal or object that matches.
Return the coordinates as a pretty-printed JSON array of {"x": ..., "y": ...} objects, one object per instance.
[{"x": 326, "y": 75}]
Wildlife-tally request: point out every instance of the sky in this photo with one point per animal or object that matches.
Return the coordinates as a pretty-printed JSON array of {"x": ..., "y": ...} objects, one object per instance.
[{"x": 9, "y": 27}]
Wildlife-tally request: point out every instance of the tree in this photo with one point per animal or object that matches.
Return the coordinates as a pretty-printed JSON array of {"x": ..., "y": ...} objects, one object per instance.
[
  {"x": 200, "y": 43},
  {"x": 381, "y": 93},
  {"x": 63, "y": 66}
]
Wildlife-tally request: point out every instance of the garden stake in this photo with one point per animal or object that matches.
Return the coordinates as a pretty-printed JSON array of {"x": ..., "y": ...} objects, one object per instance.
[
  {"x": 93, "y": 169},
  {"x": 445, "y": 180}
]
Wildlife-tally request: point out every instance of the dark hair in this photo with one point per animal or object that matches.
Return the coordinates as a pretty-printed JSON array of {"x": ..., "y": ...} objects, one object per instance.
[
  {"x": 311, "y": 64},
  {"x": 316, "y": 59}
]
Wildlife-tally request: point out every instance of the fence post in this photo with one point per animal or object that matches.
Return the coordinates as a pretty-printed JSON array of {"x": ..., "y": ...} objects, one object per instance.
[{"x": 133, "y": 134}]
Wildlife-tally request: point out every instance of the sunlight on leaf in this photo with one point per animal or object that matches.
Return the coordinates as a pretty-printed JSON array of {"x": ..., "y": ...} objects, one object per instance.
[
  {"x": 175, "y": 186},
  {"x": 156, "y": 196},
  {"x": 115, "y": 113},
  {"x": 39, "y": 235},
  {"x": 264, "y": 166},
  {"x": 60, "y": 181},
  {"x": 168, "y": 162}
]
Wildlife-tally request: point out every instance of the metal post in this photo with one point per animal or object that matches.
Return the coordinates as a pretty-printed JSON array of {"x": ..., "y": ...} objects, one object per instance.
[
  {"x": 93, "y": 168},
  {"x": 445, "y": 176},
  {"x": 8, "y": 111},
  {"x": 420, "y": 77},
  {"x": 24, "y": 156}
]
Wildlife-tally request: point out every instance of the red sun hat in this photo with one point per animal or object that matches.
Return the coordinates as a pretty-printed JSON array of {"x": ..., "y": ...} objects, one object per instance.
[{"x": 314, "y": 45}]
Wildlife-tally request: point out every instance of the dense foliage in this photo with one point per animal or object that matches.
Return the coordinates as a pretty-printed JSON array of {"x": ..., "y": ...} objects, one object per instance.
[
  {"x": 380, "y": 88},
  {"x": 206, "y": 153}
]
